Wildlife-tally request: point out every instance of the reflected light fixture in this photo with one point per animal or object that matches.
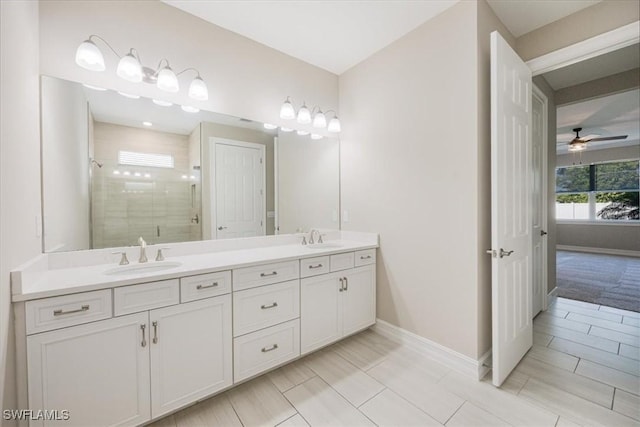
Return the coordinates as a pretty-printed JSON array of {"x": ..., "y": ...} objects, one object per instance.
[
  {"x": 302, "y": 132},
  {"x": 162, "y": 103},
  {"x": 269, "y": 126},
  {"x": 284, "y": 129},
  {"x": 128, "y": 95},
  {"x": 98, "y": 88},
  {"x": 189, "y": 109},
  {"x": 316, "y": 136},
  {"x": 130, "y": 68},
  {"x": 149, "y": 124}
]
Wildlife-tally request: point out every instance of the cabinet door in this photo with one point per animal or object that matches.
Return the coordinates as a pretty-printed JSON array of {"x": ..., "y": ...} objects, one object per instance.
[
  {"x": 320, "y": 311},
  {"x": 99, "y": 372},
  {"x": 190, "y": 352},
  {"x": 359, "y": 299}
]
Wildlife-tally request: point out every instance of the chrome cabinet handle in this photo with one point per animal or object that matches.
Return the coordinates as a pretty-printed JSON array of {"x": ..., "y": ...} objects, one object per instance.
[
  {"x": 272, "y": 305},
  {"x": 341, "y": 284},
  {"x": 266, "y": 350},
  {"x": 504, "y": 253},
  {"x": 213, "y": 285},
  {"x": 365, "y": 257},
  {"x": 81, "y": 309},
  {"x": 273, "y": 273},
  {"x": 346, "y": 284},
  {"x": 222, "y": 228},
  {"x": 315, "y": 266},
  {"x": 155, "y": 331},
  {"x": 543, "y": 233},
  {"x": 144, "y": 339}
]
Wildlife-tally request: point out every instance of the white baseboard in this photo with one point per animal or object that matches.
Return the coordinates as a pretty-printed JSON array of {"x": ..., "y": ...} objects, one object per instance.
[
  {"x": 622, "y": 252},
  {"x": 454, "y": 360},
  {"x": 552, "y": 296}
]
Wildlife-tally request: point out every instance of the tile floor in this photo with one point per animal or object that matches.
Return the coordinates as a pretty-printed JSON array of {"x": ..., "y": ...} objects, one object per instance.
[{"x": 583, "y": 369}]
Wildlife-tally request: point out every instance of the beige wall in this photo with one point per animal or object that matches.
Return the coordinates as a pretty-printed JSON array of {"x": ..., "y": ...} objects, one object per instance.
[
  {"x": 65, "y": 166},
  {"x": 586, "y": 23},
  {"x": 214, "y": 130},
  {"x": 620, "y": 82},
  {"x": 415, "y": 168},
  {"x": 603, "y": 236},
  {"x": 245, "y": 78},
  {"x": 19, "y": 166}
]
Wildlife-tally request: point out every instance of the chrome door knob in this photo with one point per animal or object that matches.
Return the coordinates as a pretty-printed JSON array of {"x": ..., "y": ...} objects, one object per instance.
[
  {"x": 222, "y": 228},
  {"x": 504, "y": 253},
  {"x": 543, "y": 233}
]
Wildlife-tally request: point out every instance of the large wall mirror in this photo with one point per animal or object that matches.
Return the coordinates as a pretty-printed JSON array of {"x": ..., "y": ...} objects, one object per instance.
[{"x": 117, "y": 167}]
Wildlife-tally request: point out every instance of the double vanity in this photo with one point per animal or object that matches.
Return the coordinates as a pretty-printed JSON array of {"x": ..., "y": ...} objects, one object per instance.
[{"x": 123, "y": 345}]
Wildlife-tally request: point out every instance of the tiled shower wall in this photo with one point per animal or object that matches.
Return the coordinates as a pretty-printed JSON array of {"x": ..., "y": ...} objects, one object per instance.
[{"x": 155, "y": 203}]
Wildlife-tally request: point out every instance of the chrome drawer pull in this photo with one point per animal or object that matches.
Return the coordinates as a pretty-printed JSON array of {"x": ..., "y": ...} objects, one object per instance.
[
  {"x": 144, "y": 340},
  {"x": 155, "y": 331},
  {"x": 315, "y": 266},
  {"x": 341, "y": 284},
  {"x": 346, "y": 284},
  {"x": 365, "y": 257},
  {"x": 81, "y": 309},
  {"x": 213, "y": 285},
  {"x": 266, "y": 350},
  {"x": 273, "y": 273},
  {"x": 264, "y": 307}
]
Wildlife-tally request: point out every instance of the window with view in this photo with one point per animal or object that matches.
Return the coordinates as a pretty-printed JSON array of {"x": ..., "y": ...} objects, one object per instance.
[{"x": 601, "y": 191}]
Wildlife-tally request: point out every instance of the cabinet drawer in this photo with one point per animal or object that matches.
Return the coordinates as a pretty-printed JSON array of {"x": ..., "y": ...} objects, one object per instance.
[
  {"x": 259, "y": 351},
  {"x": 204, "y": 286},
  {"x": 314, "y": 266},
  {"x": 366, "y": 257},
  {"x": 68, "y": 310},
  {"x": 146, "y": 296},
  {"x": 265, "y": 306},
  {"x": 342, "y": 261},
  {"x": 250, "y": 277}
]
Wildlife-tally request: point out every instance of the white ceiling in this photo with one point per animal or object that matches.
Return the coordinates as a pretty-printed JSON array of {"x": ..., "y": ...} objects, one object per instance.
[
  {"x": 610, "y": 63},
  {"x": 617, "y": 114},
  {"x": 521, "y": 17},
  {"x": 337, "y": 34}
]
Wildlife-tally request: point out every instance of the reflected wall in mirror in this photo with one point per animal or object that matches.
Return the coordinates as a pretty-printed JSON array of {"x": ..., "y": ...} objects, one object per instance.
[
  {"x": 308, "y": 176},
  {"x": 116, "y": 168}
]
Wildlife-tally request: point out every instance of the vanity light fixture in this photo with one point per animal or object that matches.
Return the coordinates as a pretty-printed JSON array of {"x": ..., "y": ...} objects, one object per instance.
[
  {"x": 302, "y": 132},
  {"x": 162, "y": 103},
  {"x": 316, "y": 136},
  {"x": 148, "y": 124},
  {"x": 319, "y": 120},
  {"x": 147, "y": 175},
  {"x": 130, "y": 68},
  {"x": 286, "y": 111},
  {"x": 116, "y": 172},
  {"x": 334, "y": 125},
  {"x": 303, "y": 116},
  {"x": 189, "y": 109},
  {"x": 269, "y": 126},
  {"x": 126, "y": 173}
]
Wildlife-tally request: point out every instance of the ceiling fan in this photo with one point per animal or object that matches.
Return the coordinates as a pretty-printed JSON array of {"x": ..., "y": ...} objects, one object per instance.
[{"x": 580, "y": 143}]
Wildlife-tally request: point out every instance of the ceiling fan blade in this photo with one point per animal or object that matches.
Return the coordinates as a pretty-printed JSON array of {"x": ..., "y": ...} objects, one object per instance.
[{"x": 607, "y": 138}]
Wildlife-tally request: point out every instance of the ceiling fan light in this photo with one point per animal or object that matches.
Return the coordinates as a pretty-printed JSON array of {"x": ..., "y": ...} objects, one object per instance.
[
  {"x": 129, "y": 68},
  {"x": 304, "y": 115},
  {"x": 287, "y": 111},
  {"x": 319, "y": 120},
  {"x": 167, "y": 80},
  {"x": 334, "y": 125},
  {"x": 198, "y": 89},
  {"x": 89, "y": 57}
]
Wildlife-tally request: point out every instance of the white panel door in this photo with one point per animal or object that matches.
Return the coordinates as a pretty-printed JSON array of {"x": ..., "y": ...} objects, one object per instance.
[
  {"x": 359, "y": 299},
  {"x": 190, "y": 352},
  {"x": 98, "y": 371},
  {"x": 510, "y": 208},
  {"x": 320, "y": 311},
  {"x": 539, "y": 202},
  {"x": 239, "y": 176}
]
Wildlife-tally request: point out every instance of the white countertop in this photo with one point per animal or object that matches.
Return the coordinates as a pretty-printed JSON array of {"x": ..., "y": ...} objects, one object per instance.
[{"x": 62, "y": 281}]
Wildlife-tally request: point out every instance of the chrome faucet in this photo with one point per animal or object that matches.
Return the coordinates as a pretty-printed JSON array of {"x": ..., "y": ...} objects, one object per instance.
[
  {"x": 311, "y": 241},
  {"x": 143, "y": 250}
]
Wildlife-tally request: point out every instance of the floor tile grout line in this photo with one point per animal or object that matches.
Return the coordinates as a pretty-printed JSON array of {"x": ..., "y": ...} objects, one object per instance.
[
  {"x": 235, "y": 411},
  {"x": 458, "y": 408},
  {"x": 587, "y": 345},
  {"x": 372, "y": 397},
  {"x": 294, "y": 406}
]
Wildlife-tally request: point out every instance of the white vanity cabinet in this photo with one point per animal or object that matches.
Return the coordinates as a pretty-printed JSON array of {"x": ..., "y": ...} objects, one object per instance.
[
  {"x": 99, "y": 372},
  {"x": 336, "y": 304}
]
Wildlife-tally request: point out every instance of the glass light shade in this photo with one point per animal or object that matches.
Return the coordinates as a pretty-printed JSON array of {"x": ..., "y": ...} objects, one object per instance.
[
  {"x": 162, "y": 103},
  {"x": 577, "y": 146},
  {"x": 198, "y": 89},
  {"x": 319, "y": 120},
  {"x": 89, "y": 57},
  {"x": 129, "y": 68},
  {"x": 167, "y": 80},
  {"x": 189, "y": 109},
  {"x": 334, "y": 125},
  {"x": 286, "y": 111},
  {"x": 304, "y": 115},
  {"x": 316, "y": 136},
  {"x": 302, "y": 132}
]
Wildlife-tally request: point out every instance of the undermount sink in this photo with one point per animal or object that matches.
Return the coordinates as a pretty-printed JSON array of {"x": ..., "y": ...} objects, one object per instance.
[
  {"x": 318, "y": 246},
  {"x": 151, "y": 267}
]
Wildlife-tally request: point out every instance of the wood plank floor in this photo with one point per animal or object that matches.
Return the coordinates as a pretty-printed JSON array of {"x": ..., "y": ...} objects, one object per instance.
[{"x": 583, "y": 369}]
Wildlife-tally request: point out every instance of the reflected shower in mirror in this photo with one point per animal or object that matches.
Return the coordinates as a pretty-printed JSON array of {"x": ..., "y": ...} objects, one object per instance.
[{"x": 117, "y": 167}]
